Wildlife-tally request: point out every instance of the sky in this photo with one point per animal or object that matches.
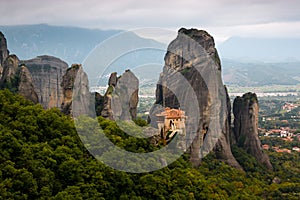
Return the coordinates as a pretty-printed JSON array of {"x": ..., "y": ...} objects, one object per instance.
[{"x": 221, "y": 18}]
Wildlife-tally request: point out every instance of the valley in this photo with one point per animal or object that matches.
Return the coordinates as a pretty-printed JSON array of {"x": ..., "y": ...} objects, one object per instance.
[{"x": 254, "y": 153}]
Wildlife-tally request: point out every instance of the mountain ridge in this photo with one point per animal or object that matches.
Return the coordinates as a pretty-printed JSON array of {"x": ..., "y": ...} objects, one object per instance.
[
  {"x": 71, "y": 44},
  {"x": 257, "y": 49}
]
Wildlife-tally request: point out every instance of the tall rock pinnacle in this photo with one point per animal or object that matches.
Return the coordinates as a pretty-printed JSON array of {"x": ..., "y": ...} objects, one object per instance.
[
  {"x": 121, "y": 98},
  {"x": 191, "y": 80},
  {"x": 245, "y": 110},
  {"x": 3, "y": 51},
  {"x": 67, "y": 85}
]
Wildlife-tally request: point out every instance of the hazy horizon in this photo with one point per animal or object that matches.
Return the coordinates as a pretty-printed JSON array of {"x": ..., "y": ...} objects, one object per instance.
[{"x": 222, "y": 19}]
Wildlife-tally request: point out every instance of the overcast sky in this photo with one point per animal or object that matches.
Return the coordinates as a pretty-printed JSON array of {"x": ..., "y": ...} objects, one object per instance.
[{"x": 221, "y": 18}]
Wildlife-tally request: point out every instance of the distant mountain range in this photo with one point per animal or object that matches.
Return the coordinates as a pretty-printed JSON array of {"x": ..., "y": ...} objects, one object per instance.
[
  {"x": 245, "y": 61},
  {"x": 74, "y": 45},
  {"x": 261, "y": 49},
  {"x": 68, "y": 43},
  {"x": 260, "y": 61},
  {"x": 260, "y": 73}
]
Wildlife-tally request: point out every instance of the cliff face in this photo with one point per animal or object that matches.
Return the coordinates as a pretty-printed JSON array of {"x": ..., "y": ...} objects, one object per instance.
[
  {"x": 67, "y": 85},
  {"x": 104, "y": 104},
  {"x": 14, "y": 77},
  {"x": 3, "y": 51},
  {"x": 43, "y": 80},
  {"x": 191, "y": 80},
  {"x": 10, "y": 68},
  {"x": 121, "y": 98},
  {"x": 222, "y": 148},
  {"x": 126, "y": 96},
  {"x": 17, "y": 78},
  {"x": 75, "y": 77},
  {"x": 25, "y": 87},
  {"x": 47, "y": 74},
  {"x": 245, "y": 110}
]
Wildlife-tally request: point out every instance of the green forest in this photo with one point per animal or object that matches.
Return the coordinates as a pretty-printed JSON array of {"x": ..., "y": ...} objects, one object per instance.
[{"x": 42, "y": 157}]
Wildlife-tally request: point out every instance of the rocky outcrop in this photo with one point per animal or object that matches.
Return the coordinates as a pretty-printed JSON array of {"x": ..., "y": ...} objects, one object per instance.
[
  {"x": 41, "y": 79},
  {"x": 126, "y": 95},
  {"x": 3, "y": 51},
  {"x": 67, "y": 85},
  {"x": 47, "y": 74},
  {"x": 75, "y": 91},
  {"x": 191, "y": 80},
  {"x": 18, "y": 78},
  {"x": 25, "y": 87},
  {"x": 113, "y": 79},
  {"x": 10, "y": 68},
  {"x": 45, "y": 80},
  {"x": 245, "y": 110},
  {"x": 121, "y": 98},
  {"x": 14, "y": 77}
]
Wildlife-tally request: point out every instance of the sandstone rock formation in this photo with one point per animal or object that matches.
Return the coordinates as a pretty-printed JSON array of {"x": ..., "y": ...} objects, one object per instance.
[
  {"x": 25, "y": 87},
  {"x": 113, "y": 79},
  {"x": 245, "y": 110},
  {"x": 191, "y": 80},
  {"x": 47, "y": 73},
  {"x": 75, "y": 91},
  {"x": 3, "y": 51},
  {"x": 17, "y": 78},
  {"x": 10, "y": 68},
  {"x": 67, "y": 85},
  {"x": 121, "y": 97},
  {"x": 44, "y": 80}
]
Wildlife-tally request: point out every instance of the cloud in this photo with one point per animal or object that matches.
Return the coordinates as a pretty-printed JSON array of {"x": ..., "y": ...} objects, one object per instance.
[{"x": 226, "y": 17}]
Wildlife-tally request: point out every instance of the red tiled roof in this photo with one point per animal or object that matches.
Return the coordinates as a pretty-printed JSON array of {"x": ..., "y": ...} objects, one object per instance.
[{"x": 171, "y": 113}]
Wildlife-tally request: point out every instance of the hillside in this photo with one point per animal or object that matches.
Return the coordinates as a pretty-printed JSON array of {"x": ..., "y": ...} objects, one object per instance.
[
  {"x": 42, "y": 157},
  {"x": 260, "y": 73},
  {"x": 71, "y": 44}
]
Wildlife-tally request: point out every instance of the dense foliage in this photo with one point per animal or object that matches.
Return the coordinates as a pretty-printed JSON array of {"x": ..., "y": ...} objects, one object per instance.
[{"x": 42, "y": 157}]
